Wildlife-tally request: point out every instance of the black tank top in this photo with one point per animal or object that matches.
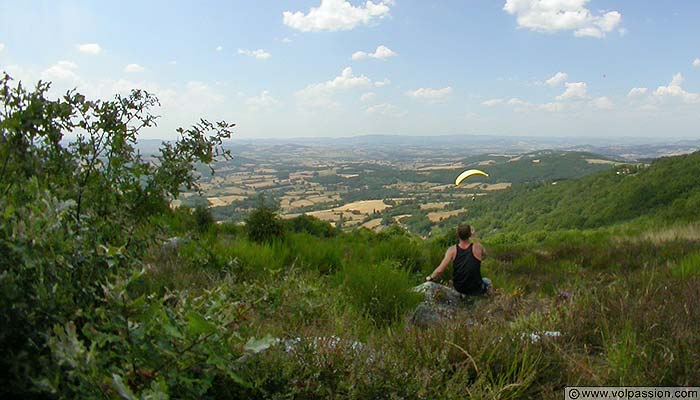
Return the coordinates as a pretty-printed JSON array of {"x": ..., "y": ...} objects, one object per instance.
[{"x": 467, "y": 272}]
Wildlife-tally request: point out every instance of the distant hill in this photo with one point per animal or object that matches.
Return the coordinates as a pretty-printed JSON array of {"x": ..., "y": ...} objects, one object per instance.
[{"x": 666, "y": 190}]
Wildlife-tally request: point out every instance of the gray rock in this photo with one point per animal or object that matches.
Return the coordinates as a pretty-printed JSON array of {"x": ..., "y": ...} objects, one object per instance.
[{"x": 440, "y": 304}]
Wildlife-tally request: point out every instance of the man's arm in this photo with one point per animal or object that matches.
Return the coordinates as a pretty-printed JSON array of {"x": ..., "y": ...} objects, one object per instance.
[
  {"x": 449, "y": 256},
  {"x": 479, "y": 251}
]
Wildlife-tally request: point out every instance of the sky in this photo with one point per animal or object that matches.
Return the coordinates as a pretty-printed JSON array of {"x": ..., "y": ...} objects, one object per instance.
[{"x": 337, "y": 68}]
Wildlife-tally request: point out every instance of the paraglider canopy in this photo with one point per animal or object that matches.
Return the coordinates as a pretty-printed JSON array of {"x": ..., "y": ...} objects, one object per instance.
[{"x": 468, "y": 173}]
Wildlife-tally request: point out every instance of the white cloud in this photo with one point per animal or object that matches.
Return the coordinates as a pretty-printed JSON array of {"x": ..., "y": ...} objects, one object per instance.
[
  {"x": 493, "y": 102},
  {"x": 131, "y": 68},
  {"x": 674, "y": 89},
  {"x": 518, "y": 102},
  {"x": 369, "y": 96},
  {"x": 386, "y": 109},
  {"x": 430, "y": 93},
  {"x": 219, "y": 48},
  {"x": 637, "y": 92},
  {"x": 319, "y": 94},
  {"x": 258, "y": 54},
  {"x": 90, "y": 48},
  {"x": 557, "y": 15},
  {"x": 172, "y": 62},
  {"x": 574, "y": 91},
  {"x": 557, "y": 79},
  {"x": 61, "y": 71},
  {"x": 603, "y": 103},
  {"x": 264, "y": 100},
  {"x": 336, "y": 15},
  {"x": 382, "y": 83},
  {"x": 696, "y": 62},
  {"x": 551, "y": 107},
  {"x": 2, "y": 46},
  {"x": 382, "y": 53},
  {"x": 286, "y": 40}
]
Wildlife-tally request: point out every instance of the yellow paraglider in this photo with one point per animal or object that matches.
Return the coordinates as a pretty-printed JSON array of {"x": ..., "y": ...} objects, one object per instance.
[{"x": 468, "y": 173}]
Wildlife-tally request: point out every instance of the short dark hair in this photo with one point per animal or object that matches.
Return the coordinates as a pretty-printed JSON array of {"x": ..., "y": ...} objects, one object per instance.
[{"x": 464, "y": 232}]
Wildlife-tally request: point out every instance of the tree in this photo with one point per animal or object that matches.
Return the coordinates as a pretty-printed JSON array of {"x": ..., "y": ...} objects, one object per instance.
[{"x": 78, "y": 203}]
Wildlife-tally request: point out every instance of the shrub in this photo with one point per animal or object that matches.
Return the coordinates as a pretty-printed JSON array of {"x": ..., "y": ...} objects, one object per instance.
[
  {"x": 263, "y": 225},
  {"x": 382, "y": 292}
]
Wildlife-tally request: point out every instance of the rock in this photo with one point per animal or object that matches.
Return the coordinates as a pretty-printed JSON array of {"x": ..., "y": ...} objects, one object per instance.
[
  {"x": 172, "y": 243},
  {"x": 440, "y": 304}
]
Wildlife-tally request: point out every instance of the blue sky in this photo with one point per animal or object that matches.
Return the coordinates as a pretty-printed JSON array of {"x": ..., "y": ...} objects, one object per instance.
[{"x": 591, "y": 68}]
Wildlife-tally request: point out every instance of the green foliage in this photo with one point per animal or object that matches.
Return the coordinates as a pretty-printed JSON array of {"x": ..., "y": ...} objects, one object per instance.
[
  {"x": 146, "y": 347},
  {"x": 263, "y": 224},
  {"x": 77, "y": 211},
  {"x": 382, "y": 292},
  {"x": 311, "y": 225}
]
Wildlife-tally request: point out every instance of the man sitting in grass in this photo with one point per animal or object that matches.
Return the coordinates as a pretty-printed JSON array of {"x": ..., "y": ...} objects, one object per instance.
[{"x": 466, "y": 257}]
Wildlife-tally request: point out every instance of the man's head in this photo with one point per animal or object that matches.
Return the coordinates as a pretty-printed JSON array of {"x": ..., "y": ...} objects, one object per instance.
[{"x": 464, "y": 232}]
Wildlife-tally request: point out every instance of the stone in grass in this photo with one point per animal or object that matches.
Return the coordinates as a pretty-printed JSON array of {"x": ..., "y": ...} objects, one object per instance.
[{"x": 440, "y": 304}]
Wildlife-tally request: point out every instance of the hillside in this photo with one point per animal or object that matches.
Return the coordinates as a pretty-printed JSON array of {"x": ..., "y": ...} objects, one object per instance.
[{"x": 666, "y": 190}]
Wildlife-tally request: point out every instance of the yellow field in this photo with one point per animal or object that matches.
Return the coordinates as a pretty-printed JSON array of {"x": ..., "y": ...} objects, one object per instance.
[
  {"x": 441, "y": 187},
  {"x": 441, "y": 167},
  {"x": 364, "y": 206},
  {"x": 301, "y": 203},
  {"x": 373, "y": 224},
  {"x": 224, "y": 200},
  {"x": 434, "y": 206},
  {"x": 261, "y": 185},
  {"x": 598, "y": 161},
  {"x": 497, "y": 186},
  {"x": 398, "y": 218},
  {"x": 438, "y": 216}
]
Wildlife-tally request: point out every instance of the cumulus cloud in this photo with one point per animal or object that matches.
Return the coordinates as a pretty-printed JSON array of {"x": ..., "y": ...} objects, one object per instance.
[
  {"x": 696, "y": 62},
  {"x": 336, "y": 15},
  {"x": 61, "y": 71},
  {"x": 558, "y": 15},
  {"x": 574, "y": 91},
  {"x": 493, "y": 102},
  {"x": 369, "y": 96},
  {"x": 320, "y": 94},
  {"x": 518, "y": 102},
  {"x": 382, "y": 53},
  {"x": 603, "y": 103},
  {"x": 386, "y": 109},
  {"x": 264, "y": 100},
  {"x": 557, "y": 79},
  {"x": 132, "y": 68},
  {"x": 430, "y": 93},
  {"x": 637, "y": 92},
  {"x": 258, "y": 54},
  {"x": 382, "y": 83},
  {"x": 674, "y": 89},
  {"x": 90, "y": 48}
]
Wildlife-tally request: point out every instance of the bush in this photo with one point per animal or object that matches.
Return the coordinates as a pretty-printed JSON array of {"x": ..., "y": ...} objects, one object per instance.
[
  {"x": 381, "y": 292},
  {"x": 263, "y": 225}
]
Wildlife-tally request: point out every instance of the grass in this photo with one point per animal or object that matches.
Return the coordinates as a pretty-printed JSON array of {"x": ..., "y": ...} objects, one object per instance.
[{"x": 625, "y": 310}]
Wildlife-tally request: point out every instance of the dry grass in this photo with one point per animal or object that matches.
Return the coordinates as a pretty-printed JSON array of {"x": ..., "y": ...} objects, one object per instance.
[
  {"x": 374, "y": 224},
  {"x": 599, "y": 161},
  {"x": 434, "y": 206},
  {"x": 438, "y": 216},
  {"x": 497, "y": 186},
  {"x": 221, "y": 201},
  {"x": 486, "y": 163},
  {"x": 364, "y": 206},
  {"x": 441, "y": 167}
]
